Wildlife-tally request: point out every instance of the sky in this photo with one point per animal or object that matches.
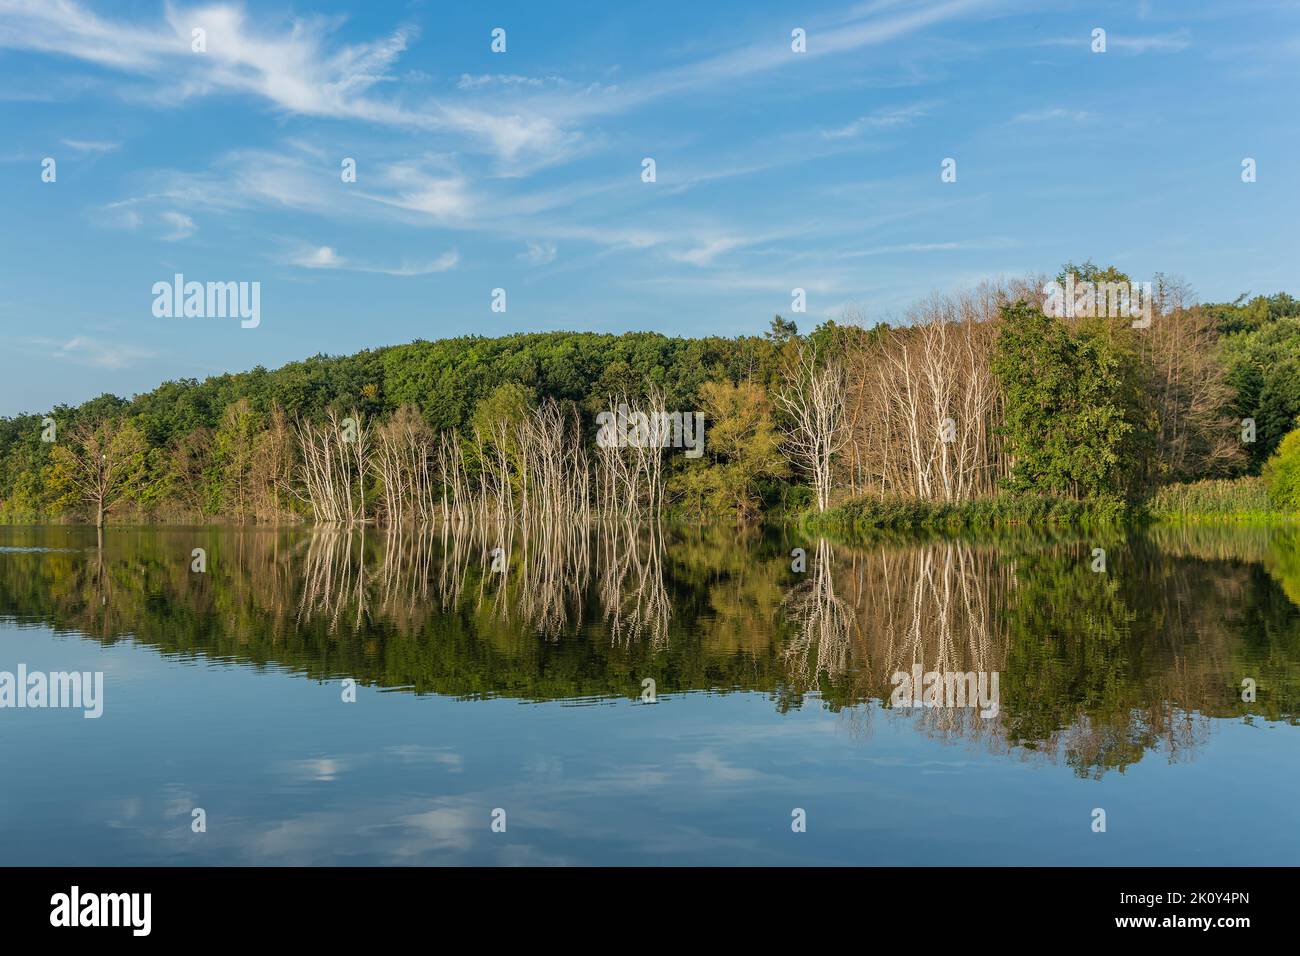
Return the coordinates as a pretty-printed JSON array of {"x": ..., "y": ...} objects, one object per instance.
[{"x": 524, "y": 170}]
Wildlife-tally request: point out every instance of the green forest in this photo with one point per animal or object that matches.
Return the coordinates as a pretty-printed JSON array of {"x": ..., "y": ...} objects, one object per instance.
[{"x": 973, "y": 407}]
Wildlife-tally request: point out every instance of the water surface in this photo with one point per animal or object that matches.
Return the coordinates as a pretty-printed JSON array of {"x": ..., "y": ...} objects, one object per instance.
[{"x": 513, "y": 679}]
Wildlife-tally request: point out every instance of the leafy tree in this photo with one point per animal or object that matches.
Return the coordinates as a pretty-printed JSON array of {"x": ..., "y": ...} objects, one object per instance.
[
  {"x": 1090, "y": 272},
  {"x": 1074, "y": 420},
  {"x": 99, "y": 465},
  {"x": 191, "y": 475},
  {"x": 1282, "y": 473},
  {"x": 507, "y": 405},
  {"x": 782, "y": 330},
  {"x": 1264, "y": 369},
  {"x": 742, "y": 446},
  {"x": 234, "y": 445}
]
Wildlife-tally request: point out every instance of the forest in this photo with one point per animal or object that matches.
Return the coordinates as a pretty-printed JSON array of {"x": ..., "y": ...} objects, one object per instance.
[{"x": 979, "y": 406}]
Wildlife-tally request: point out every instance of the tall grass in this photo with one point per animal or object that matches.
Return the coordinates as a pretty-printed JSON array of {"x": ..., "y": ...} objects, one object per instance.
[
  {"x": 862, "y": 516},
  {"x": 1238, "y": 499}
]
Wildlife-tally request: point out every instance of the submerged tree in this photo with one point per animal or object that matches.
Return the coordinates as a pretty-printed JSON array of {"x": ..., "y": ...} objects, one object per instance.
[{"x": 100, "y": 465}]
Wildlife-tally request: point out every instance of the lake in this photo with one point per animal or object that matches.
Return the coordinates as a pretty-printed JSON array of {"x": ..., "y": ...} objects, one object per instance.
[{"x": 688, "y": 696}]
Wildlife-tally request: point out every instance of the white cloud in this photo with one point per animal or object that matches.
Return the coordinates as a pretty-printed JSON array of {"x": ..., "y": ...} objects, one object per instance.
[
  {"x": 88, "y": 146},
  {"x": 446, "y": 261},
  {"x": 539, "y": 253},
  {"x": 301, "y": 68},
  {"x": 84, "y": 350},
  {"x": 1158, "y": 43},
  {"x": 468, "y": 82},
  {"x": 1054, "y": 114},
  {"x": 320, "y": 257},
  {"x": 915, "y": 247},
  {"x": 325, "y": 257},
  {"x": 1162, "y": 43},
  {"x": 705, "y": 253},
  {"x": 444, "y": 198},
  {"x": 298, "y": 69},
  {"x": 882, "y": 119},
  {"x": 182, "y": 226},
  {"x": 64, "y": 27}
]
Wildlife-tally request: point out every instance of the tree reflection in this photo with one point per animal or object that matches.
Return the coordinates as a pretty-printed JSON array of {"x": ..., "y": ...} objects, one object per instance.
[{"x": 1096, "y": 670}]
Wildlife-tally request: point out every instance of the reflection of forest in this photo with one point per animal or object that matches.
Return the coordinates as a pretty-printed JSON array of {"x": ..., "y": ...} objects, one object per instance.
[{"x": 1096, "y": 669}]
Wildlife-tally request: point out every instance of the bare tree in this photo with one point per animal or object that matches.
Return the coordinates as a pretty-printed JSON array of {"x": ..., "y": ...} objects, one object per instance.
[
  {"x": 923, "y": 406},
  {"x": 813, "y": 403},
  {"x": 1195, "y": 435},
  {"x": 335, "y": 460}
]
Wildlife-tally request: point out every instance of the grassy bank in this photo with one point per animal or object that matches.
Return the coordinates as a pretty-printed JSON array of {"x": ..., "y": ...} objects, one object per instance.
[
  {"x": 1238, "y": 501},
  {"x": 865, "y": 516},
  {"x": 1235, "y": 501}
]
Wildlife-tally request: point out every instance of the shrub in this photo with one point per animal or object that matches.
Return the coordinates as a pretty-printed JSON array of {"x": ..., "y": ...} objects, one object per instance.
[{"x": 1282, "y": 473}]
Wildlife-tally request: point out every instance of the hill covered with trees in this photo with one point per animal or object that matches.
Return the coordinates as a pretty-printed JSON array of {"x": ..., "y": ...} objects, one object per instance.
[{"x": 971, "y": 398}]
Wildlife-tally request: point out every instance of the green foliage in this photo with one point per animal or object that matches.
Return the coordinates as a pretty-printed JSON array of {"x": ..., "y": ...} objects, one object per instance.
[
  {"x": 1076, "y": 423},
  {"x": 1090, "y": 272},
  {"x": 1257, "y": 313},
  {"x": 742, "y": 450},
  {"x": 200, "y": 460},
  {"x": 1282, "y": 474},
  {"x": 1080, "y": 417},
  {"x": 97, "y": 467},
  {"x": 782, "y": 330},
  {"x": 863, "y": 517},
  {"x": 233, "y": 455},
  {"x": 1264, "y": 369}
]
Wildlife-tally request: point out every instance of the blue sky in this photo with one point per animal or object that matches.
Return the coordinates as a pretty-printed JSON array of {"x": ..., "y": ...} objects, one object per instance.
[{"x": 522, "y": 170}]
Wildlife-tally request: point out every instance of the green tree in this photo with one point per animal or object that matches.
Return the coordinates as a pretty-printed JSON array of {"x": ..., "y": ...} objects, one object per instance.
[
  {"x": 1075, "y": 423},
  {"x": 234, "y": 445},
  {"x": 99, "y": 465},
  {"x": 782, "y": 330},
  {"x": 1282, "y": 473},
  {"x": 742, "y": 448}
]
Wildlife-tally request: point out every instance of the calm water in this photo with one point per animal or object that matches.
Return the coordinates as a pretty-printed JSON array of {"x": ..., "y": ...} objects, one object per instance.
[{"x": 520, "y": 688}]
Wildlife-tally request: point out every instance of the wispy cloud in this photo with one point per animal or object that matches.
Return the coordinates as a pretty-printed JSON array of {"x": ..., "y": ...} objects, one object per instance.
[
  {"x": 1053, "y": 114},
  {"x": 882, "y": 119},
  {"x": 181, "y": 226},
  {"x": 1157, "y": 43},
  {"x": 302, "y": 68},
  {"x": 539, "y": 253},
  {"x": 325, "y": 257},
  {"x": 706, "y": 252},
  {"x": 1174, "y": 42},
  {"x": 84, "y": 350},
  {"x": 88, "y": 146},
  {"x": 912, "y": 248}
]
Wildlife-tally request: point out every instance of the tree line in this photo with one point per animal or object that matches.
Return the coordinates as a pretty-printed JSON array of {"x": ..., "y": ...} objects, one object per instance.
[{"x": 969, "y": 396}]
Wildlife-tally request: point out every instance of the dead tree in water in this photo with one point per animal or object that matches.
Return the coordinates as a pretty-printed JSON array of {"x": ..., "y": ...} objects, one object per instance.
[
  {"x": 335, "y": 460},
  {"x": 630, "y": 479},
  {"x": 813, "y": 403},
  {"x": 535, "y": 471}
]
